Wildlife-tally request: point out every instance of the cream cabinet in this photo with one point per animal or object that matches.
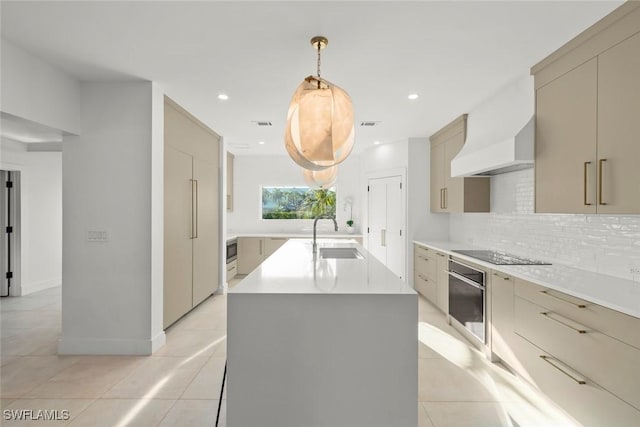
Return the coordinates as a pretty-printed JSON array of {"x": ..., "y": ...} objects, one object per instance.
[
  {"x": 232, "y": 270},
  {"x": 502, "y": 317},
  {"x": 252, "y": 251},
  {"x": 583, "y": 356},
  {"x": 191, "y": 222},
  {"x": 230, "y": 166},
  {"x": 618, "y": 129},
  {"x": 430, "y": 275},
  {"x": 442, "y": 281},
  {"x": 424, "y": 272},
  {"x": 587, "y": 108},
  {"x": 449, "y": 194}
]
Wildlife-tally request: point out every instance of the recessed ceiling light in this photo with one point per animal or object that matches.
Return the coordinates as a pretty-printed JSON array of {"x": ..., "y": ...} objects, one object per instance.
[
  {"x": 413, "y": 96},
  {"x": 261, "y": 142},
  {"x": 376, "y": 142},
  {"x": 223, "y": 96}
]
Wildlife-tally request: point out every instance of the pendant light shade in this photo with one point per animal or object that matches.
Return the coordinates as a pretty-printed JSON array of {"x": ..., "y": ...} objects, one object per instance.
[
  {"x": 322, "y": 179},
  {"x": 320, "y": 129}
]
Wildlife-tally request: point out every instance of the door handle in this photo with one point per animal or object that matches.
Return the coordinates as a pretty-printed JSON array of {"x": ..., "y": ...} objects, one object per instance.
[
  {"x": 600, "y": 163},
  {"x": 586, "y": 167}
]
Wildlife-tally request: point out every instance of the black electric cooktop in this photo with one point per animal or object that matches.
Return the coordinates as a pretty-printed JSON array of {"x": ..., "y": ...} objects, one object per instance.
[{"x": 500, "y": 258}]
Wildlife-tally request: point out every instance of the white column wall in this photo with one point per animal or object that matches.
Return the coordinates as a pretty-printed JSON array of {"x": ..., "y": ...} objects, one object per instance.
[{"x": 112, "y": 290}]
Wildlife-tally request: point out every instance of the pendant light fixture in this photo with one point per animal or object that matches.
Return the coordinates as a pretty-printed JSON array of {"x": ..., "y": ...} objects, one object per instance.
[
  {"x": 320, "y": 132},
  {"x": 322, "y": 179}
]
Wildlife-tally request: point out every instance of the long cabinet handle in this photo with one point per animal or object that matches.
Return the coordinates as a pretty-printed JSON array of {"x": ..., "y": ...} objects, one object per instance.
[
  {"x": 548, "y": 314},
  {"x": 194, "y": 209},
  {"x": 548, "y": 293},
  {"x": 549, "y": 361},
  {"x": 441, "y": 205},
  {"x": 423, "y": 257},
  {"x": 586, "y": 167},
  {"x": 446, "y": 198},
  {"x": 423, "y": 278},
  {"x": 439, "y": 254},
  {"x": 501, "y": 276},
  {"x": 600, "y": 163}
]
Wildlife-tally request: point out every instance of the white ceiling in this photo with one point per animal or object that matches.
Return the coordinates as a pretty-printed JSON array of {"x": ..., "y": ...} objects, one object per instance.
[{"x": 453, "y": 54}]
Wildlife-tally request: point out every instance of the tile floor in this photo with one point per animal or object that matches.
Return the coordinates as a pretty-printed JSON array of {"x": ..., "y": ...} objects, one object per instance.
[{"x": 179, "y": 385}]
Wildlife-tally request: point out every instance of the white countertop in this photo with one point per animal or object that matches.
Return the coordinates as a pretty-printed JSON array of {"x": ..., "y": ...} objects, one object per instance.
[
  {"x": 292, "y": 269},
  {"x": 612, "y": 292},
  {"x": 305, "y": 235}
]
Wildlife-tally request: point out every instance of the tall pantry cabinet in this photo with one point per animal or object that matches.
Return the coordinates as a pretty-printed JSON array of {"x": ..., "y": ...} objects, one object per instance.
[{"x": 191, "y": 214}]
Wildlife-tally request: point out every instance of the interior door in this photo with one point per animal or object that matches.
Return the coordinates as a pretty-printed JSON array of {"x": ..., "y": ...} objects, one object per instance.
[
  {"x": 386, "y": 223},
  {"x": 377, "y": 218},
  {"x": 205, "y": 242},
  {"x": 178, "y": 250},
  {"x": 394, "y": 234}
]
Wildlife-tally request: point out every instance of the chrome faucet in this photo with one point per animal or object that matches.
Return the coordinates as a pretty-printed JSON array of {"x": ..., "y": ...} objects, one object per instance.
[{"x": 315, "y": 222}]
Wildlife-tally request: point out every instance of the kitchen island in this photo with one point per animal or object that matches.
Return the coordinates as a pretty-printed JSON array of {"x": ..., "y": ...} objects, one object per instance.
[{"x": 315, "y": 341}]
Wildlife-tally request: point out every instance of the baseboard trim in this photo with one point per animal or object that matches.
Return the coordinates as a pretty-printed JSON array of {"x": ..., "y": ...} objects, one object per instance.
[
  {"x": 100, "y": 346},
  {"x": 29, "y": 288}
]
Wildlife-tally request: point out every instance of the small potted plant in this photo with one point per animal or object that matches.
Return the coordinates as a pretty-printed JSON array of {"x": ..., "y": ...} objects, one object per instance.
[{"x": 350, "y": 228}]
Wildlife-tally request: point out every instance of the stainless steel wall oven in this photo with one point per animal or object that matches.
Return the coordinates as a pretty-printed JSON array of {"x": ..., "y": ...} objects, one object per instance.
[{"x": 467, "y": 297}]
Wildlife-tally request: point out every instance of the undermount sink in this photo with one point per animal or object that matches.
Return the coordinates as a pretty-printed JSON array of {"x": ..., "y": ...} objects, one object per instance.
[{"x": 340, "y": 253}]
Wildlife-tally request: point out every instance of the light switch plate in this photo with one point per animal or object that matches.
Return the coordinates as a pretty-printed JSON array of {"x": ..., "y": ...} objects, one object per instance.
[{"x": 97, "y": 236}]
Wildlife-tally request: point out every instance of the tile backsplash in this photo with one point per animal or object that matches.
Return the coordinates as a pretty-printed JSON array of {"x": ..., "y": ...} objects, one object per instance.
[{"x": 601, "y": 243}]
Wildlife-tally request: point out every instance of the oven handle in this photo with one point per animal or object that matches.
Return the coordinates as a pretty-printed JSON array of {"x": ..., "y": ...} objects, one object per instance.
[{"x": 467, "y": 281}]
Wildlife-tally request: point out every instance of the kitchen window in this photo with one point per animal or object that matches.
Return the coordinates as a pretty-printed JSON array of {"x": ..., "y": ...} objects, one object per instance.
[{"x": 297, "y": 202}]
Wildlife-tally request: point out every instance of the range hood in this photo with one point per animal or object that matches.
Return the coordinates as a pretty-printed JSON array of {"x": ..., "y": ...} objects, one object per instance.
[{"x": 500, "y": 133}]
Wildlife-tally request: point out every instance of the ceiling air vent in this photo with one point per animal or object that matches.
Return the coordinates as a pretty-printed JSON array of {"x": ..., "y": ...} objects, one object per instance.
[
  {"x": 262, "y": 123},
  {"x": 369, "y": 124}
]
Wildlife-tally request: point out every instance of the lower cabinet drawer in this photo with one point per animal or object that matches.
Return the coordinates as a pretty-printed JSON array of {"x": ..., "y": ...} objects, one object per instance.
[
  {"x": 606, "y": 361},
  {"x": 588, "y": 403},
  {"x": 610, "y": 322},
  {"x": 232, "y": 270},
  {"x": 425, "y": 286},
  {"x": 425, "y": 265}
]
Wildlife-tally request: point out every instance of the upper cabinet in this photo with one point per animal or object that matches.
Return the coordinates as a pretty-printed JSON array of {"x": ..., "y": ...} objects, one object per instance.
[
  {"x": 454, "y": 194},
  {"x": 230, "y": 159},
  {"x": 587, "y": 110}
]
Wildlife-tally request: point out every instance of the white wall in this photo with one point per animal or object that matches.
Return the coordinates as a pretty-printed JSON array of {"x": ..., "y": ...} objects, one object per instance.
[
  {"x": 600, "y": 243},
  {"x": 252, "y": 172},
  {"x": 40, "y": 215},
  {"x": 110, "y": 183},
  {"x": 33, "y": 89}
]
